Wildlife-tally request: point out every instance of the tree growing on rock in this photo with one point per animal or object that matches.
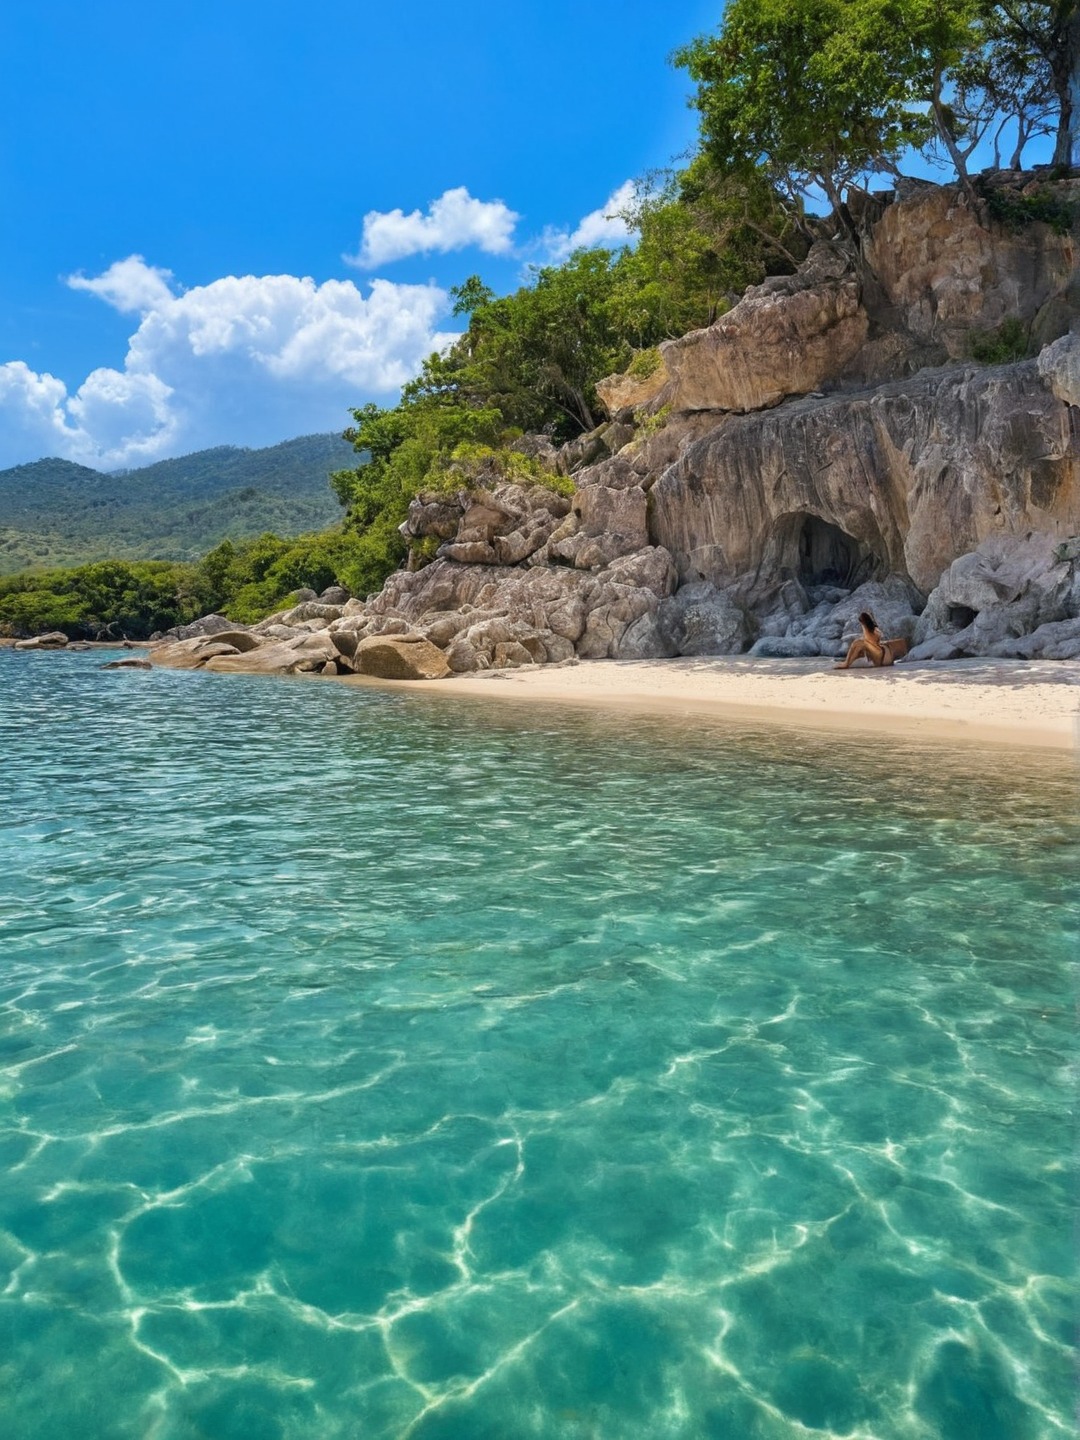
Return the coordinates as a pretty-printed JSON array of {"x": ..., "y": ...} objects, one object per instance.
[
  {"x": 816, "y": 94},
  {"x": 821, "y": 94},
  {"x": 1033, "y": 48}
]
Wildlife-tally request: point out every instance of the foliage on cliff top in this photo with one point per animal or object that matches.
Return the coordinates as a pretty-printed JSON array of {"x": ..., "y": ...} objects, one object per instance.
[{"x": 818, "y": 95}]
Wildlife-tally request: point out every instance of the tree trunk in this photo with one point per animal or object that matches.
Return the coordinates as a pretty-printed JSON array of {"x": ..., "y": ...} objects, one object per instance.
[{"x": 1065, "y": 67}]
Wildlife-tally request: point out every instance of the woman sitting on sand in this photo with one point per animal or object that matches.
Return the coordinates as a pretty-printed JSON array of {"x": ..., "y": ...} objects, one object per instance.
[{"x": 871, "y": 644}]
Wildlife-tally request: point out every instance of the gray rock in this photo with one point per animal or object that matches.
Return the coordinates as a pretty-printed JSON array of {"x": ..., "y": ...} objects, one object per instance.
[
  {"x": 207, "y": 625},
  {"x": 1007, "y": 588},
  {"x": 939, "y": 647},
  {"x": 644, "y": 639},
  {"x": 311, "y": 610},
  {"x": 1059, "y": 368},
  {"x": 699, "y": 619}
]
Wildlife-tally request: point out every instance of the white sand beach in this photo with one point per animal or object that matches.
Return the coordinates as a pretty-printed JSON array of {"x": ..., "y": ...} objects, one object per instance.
[{"x": 1004, "y": 702}]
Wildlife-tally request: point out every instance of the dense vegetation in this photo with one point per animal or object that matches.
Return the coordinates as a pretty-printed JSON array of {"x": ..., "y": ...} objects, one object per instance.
[
  {"x": 56, "y": 512},
  {"x": 802, "y": 103},
  {"x": 114, "y": 599}
]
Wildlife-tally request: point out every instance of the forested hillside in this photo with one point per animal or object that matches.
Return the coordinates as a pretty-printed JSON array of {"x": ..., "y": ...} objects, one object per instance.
[{"x": 54, "y": 512}]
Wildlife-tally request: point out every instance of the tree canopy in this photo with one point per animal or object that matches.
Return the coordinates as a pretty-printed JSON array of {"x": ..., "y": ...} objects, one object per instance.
[{"x": 821, "y": 94}]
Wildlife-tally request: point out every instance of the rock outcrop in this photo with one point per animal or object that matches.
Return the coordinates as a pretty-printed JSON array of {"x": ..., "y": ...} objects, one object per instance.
[
  {"x": 950, "y": 271},
  {"x": 827, "y": 446},
  {"x": 785, "y": 337},
  {"x": 1059, "y": 367},
  {"x": 51, "y": 640},
  {"x": 909, "y": 474}
]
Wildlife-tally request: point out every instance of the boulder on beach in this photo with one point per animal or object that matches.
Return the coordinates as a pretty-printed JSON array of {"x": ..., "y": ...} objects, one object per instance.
[{"x": 400, "y": 657}]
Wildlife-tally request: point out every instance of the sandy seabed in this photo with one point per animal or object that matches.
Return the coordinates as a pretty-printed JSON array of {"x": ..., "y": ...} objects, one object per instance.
[{"x": 1009, "y": 702}]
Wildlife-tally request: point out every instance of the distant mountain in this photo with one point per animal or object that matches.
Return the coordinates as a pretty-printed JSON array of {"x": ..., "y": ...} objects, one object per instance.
[{"x": 54, "y": 512}]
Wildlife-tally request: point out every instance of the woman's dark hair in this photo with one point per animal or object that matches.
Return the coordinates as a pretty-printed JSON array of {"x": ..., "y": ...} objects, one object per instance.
[{"x": 868, "y": 620}]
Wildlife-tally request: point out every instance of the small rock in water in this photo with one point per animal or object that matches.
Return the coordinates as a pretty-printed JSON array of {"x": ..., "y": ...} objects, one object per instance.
[{"x": 127, "y": 665}]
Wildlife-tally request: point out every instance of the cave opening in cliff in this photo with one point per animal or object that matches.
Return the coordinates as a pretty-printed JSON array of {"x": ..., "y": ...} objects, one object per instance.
[
  {"x": 830, "y": 556},
  {"x": 961, "y": 616}
]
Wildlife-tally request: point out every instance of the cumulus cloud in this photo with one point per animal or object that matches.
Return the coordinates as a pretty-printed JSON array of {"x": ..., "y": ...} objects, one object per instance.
[
  {"x": 600, "y": 229},
  {"x": 130, "y": 286},
  {"x": 453, "y": 222},
  {"x": 242, "y": 360}
]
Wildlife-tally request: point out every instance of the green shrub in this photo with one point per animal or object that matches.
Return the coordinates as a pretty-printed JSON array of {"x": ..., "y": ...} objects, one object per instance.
[
  {"x": 644, "y": 363},
  {"x": 1003, "y": 346},
  {"x": 650, "y": 424},
  {"x": 1015, "y": 211}
]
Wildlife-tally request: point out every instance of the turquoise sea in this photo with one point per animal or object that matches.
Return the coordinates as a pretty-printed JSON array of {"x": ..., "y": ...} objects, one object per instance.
[{"x": 383, "y": 1065}]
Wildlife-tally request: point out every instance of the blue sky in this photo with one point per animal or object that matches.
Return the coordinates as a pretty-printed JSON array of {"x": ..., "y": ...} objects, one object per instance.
[{"x": 228, "y": 142}]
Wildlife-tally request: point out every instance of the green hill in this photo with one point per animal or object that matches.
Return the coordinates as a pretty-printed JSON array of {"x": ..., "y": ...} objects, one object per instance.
[{"x": 54, "y": 512}]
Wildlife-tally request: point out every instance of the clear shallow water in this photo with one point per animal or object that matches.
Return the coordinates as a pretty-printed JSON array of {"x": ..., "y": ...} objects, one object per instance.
[{"x": 375, "y": 1065}]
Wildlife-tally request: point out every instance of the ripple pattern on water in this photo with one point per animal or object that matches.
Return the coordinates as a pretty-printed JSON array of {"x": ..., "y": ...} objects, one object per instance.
[{"x": 378, "y": 1065}]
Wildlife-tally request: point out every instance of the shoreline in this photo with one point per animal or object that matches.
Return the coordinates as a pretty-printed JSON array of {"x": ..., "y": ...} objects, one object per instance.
[
  {"x": 1013, "y": 703},
  {"x": 1025, "y": 704}
]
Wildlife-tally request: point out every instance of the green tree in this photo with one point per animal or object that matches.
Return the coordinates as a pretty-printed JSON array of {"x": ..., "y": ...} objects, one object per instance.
[
  {"x": 1034, "y": 47},
  {"x": 816, "y": 94}
]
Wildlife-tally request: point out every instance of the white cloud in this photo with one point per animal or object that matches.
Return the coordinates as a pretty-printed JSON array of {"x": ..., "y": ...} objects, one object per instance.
[
  {"x": 242, "y": 360},
  {"x": 130, "y": 286},
  {"x": 250, "y": 359},
  {"x": 454, "y": 221},
  {"x": 600, "y": 229}
]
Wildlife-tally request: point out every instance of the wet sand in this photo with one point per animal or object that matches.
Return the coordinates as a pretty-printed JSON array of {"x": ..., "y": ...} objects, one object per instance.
[{"x": 1005, "y": 702}]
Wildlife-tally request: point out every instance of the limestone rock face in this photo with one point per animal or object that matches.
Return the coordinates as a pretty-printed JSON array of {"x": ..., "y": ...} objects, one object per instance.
[
  {"x": 397, "y": 657},
  {"x": 785, "y": 337},
  {"x": 604, "y": 523},
  {"x": 1059, "y": 366},
  {"x": 909, "y": 474},
  {"x": 500, "y": 526},
  {"x": 949, "y": 270},
  {"x": 553, "y": 612}
]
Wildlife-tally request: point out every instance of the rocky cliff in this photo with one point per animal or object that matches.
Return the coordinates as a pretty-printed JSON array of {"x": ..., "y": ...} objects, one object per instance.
[{"x": 837, "y": 441}]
